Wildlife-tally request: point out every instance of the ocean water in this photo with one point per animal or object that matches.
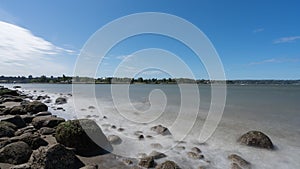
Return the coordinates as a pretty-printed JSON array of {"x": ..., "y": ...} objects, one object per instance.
[{"x": 272, "y": 109}]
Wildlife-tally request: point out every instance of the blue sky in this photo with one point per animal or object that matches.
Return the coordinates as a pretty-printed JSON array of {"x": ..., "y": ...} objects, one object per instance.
[{"x": 254, "y": 39}]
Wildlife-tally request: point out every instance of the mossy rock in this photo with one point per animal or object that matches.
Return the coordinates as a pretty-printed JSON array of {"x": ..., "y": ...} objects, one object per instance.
[{"x": 79, "y": 134}]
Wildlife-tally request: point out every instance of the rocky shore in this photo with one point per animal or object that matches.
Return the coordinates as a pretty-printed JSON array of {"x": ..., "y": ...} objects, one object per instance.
[{"x": 31, "y": 137}]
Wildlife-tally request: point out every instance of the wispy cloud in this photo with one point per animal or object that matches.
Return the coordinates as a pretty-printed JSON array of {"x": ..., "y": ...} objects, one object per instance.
[
  {"x": 258, "y": 30},
  {"x": 286, "y": 39},
  {"x": 23, "y": 53},
  {"x": 276, "y": 60}
]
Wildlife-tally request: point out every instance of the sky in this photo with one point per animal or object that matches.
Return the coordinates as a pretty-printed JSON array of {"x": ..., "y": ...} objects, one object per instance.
[{"x": 254, "y": 39}]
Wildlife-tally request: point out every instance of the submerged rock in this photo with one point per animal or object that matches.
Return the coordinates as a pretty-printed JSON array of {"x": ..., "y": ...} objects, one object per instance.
[
  {"x": 79, "y": 134},
  {"x": 168, "y": 165},
  {"x": 256, "y": 139},
  {"x": 159, "y": 129},
  {"x": 61, "y": 100},
  {"x": 15, "y": 153},
  {"x": 54, "y": 157},
  {"x": 236, "y": 159},
  {"x": 147, "y": 162}
]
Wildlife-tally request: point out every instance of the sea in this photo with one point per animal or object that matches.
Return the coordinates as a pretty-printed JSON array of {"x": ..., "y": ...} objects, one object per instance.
[{"x": 272, "y": 109}]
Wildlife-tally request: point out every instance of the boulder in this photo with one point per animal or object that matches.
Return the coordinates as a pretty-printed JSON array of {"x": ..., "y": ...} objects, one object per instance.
[
  {"x": 35, "y": 107},
  {"x": 6, "y": 131},
  {"x": 114, "y": 139},
  {"x": 16, "y": 120},
  {"x": 168, "y": 165},
  {"x": 21, "y": 166},
  {"x": 256, "y": 139},
  {"x": 15, "y": 153},
  {"x": 8, "y": 124},
  {"x": 46, "y": 130},
  {"x": 159, "y": 129},
  {"x": 44, "y": 113},
  {"x": 17, "y": 110},
  {"x": 147, "y": 162},
  {"x": 33, "y": 140},
  {"x": 79, "y": 134},
  {"x": 27, "y": 129},
  {"x": 6, "y": 91},
  {"x": 46, "y": 121},
  {"x": 61, "y": 100},
  {"x": 27, "y": 118},
  {"x": 54, "y": 157}
]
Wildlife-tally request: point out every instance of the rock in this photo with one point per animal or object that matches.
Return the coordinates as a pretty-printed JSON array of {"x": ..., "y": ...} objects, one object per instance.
[
  {"x": 121, "y": 129},
  {"x": 79, "y": 134},
  {"x": 40, "y": 98},
  {"x": 127, "y": 161},
  {"x": 33, "y": 140},
  {"x": 46, "y": 131},
  {"x": 141, "y": 137},
  {"x": 35, "y": 107},
  {"x": 196, "y": 150},
  {"x": 45, "y": 113},
  {"x": 48, "y": 101},
  {"x": 17, "y": 87},
  {"x": 46, "y": 121},
  {"x": 17, "y": 110},
  {"x": 142, "y": 155},
  {"x": 256, "y": 139},
  {"x": 6, "y": 131},
  {"x": 61, "y": 100},
  {"x": 239, "y": 161},
  {"x": 6, "y": 91},
  {"x": 180, "y": 148},
  {"x": 114, "y": 139},
  {"x": 149, "y": 136},
  {"x": 95, "y": 166},
  {"x": 16, "y": 120},
  {"x": 147, "y": 162},
  {"x": 15, "y": 153},
  {"x": 54, "y": 157},
  {"x": 235, "y": 166},
  {"x": 27, "y": 118},
  {"x": 27, "y": 129},
  {"x": 8, "y": 124},
  {"x": 168, "y": 165},
  {"x": 157, "y": 155},
  {"x": 159, "y": 129},
  {"x": 21, "y": 166},
  {"x": 195, "y": 156},
  {"x": 156, "y": 145},
  {"x": 113, "y": 127},
  {"x": 91, "y": 107}
]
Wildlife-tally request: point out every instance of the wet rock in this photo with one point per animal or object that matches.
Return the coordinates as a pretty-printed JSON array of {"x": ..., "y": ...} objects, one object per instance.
[
  {"x": 27, "y": 118},
  {"x": 48, "y": 101},
  {"x": 121, "y": 129},
  {"x": 17, "y": 87},
  {"x": 180, "y": 148},
  {"x": 113, "y": 127},
  {"x": 6, "y": 91},
  {"x": 142, "y": 155},
  {"x": 16, "y": 120},
  {"x": 46, "y": 131},
  {"x": 79, "y": 134},
  {"x": 8, "y": 124},
  {"x": 168, "y": 165},
  {"x": 239, "y": 161},
  {"x": 127, "y": 161},
  {"x": 61, "y": 100},
  {"x": 91, "y": 107},
  {"x": 147, "y": 162},
  {"x": 114, "y": 139},
  {"x": 256, "y": 139},
  {"x": 196, "y": 150},
  {"x": 159, "y": 129},
  {"x": 156, "y": 145},
  {"x": 27, "y": 129},
  {"x": 35, "y": 107},
  {"x": 141, "y": 137},
  {"x": 157, "y": 155},
  {"x": 15, "y": 153},
  {"x": 45, "y": 113},
  {"x": 195, "y": 156},
  {"x": 46, "y": 121},
  {"x": 54, "y": 157}
]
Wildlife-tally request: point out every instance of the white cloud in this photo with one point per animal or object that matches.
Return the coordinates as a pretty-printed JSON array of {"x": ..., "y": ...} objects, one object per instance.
[
  {"x": 287, "y": 39},
  {"x": 22, "y": 53},
  {"x": 258, "y": 30},
  {"x": 276, "y": 60}
]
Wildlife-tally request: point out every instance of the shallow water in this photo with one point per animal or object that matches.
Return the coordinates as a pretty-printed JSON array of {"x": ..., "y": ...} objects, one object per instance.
[{"x": 271, "y": 109}]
